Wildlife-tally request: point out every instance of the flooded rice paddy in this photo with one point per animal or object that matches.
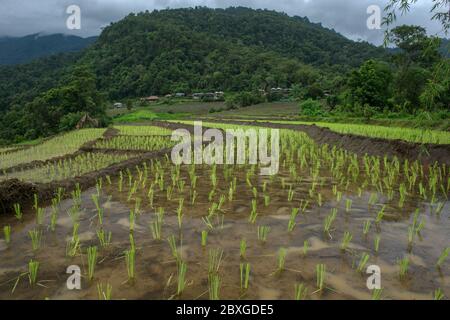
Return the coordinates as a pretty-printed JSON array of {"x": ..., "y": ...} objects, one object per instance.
[{"x": 162, "y": 231}]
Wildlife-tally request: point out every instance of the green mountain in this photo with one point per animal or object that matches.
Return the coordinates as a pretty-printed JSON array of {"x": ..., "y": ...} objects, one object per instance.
[
  {"x": 182, "y": 50},
  {"x": 24, "y": 49},
  {"x": 226, "y": 49}
]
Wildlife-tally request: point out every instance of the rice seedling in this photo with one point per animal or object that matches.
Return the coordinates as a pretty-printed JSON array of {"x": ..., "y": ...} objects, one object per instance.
[
  {"x": 266, "y": 200},
  {"x": 180, "y": 212},
  {"x": 411, "y": 233},
  {"x": 18, "y": 212},
  {"x": 439, "y": 208},
  {"x": 362, "y": 262},
  {"x": 73, "y": 245},
  {"x": 253, "y": 213},
  {"x": 221, "y": 202},
  {"x": 346, "y": 240},
  {"x": 376, "y": 243},
  {"x": 173, "y": 247},
  {"x": 181, "y": 272},
  {"x": 92, "y": 261},
  {"x": 443, "y": 257},
  {"x": 380, "y": 215},
  {"x": 403, "y": 267},
  {"x": 104, "y": 238},
  {"x": 33, "y": 269},
  {"x": 348, "y": 205},
  {"x": 245, "y": 275},
  {"x": 132, "y": 220},
  {"x": 132, "y": 242},
  {"x": 338, "y": 196},
  {"x": 212, "y": 210},
  {"x": 150, "y": 196},
  {"x": 320, "y": 276},
  {"x": 7, "y": 234},
  {"x": 54, "y": 216},
  {"x": 290, "y": 193},
  {"x": 242, "y": 248},
  {"x": 263, "y": 232},
  {"x": 373, "y": 199},
  {"x": 193, "y": 197},
  {"x": 438, "y": 294},
  {"x": 204, "y": 237},
  {"x": 366, "y": 227},
  {"x": 255, "y": 192},
  {"x": 292, "y": 223},
  {"x": 74, "y": 213},
  {"x": 319, "y": 200},
  {"x": 305, "y": 247},
  {"x": 230, "y": 192},
  {"x": 281, "y": 259},
  {"x": 214, "y": 260},
  {"x": 329, "y": 221},
  {"x": 40, "y": 216},
  {"x": 300, "y": 291},
  {"x": 130, "y": 260},
  {"x": 120, "y": 182},
  {"x": 211, "y": 195},
  {"x": 208, "y": 223},
  {"x": 214, "y": 283},
  {"x": 376, "y": 294},
  {"x": 156, "y": 225},
  {"x": 104, "y": 292},
  {"x": 35, "y": 236}
]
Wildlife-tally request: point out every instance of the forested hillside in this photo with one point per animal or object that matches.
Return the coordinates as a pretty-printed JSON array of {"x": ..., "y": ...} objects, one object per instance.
[
  {"x": 16, "y": 50},
  {"x": 236, "y": 50}
]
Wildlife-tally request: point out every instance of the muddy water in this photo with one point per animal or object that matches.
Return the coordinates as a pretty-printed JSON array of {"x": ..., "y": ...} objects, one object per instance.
[{"x": 156, "y": 268}]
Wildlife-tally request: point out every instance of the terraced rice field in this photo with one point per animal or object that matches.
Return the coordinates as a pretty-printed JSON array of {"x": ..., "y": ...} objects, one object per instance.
[{"x": 391, "y": 133}]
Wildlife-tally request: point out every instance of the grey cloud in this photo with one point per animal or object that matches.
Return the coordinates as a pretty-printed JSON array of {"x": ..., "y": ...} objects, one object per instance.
[{"x": 21, "y": 17}]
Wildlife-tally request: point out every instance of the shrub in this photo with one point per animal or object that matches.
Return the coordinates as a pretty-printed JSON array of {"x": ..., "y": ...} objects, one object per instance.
[
  {"x": 311, "y": 108},
  {"x": 70, "y": 120}
]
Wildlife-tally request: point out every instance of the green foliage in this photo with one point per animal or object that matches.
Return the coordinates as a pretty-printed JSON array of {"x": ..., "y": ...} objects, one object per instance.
[
  {"x": 243, "y": 99},
  {"x": 69, "y": 121},
  {"x": 370, "y": 84},
  {"x": 311, "y": 108},
  {"x": 56, "y": 109}
]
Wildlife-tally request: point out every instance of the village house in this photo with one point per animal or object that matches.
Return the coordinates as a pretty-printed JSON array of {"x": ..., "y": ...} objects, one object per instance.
[{"x": 151, "y": 99}]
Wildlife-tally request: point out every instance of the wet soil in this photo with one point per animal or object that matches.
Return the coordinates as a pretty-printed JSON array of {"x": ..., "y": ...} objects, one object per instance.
[{"x": 156, "y": 268}]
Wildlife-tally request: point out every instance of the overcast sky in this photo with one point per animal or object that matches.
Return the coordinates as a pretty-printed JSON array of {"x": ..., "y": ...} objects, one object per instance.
[{"x": 22, "y": 17}]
